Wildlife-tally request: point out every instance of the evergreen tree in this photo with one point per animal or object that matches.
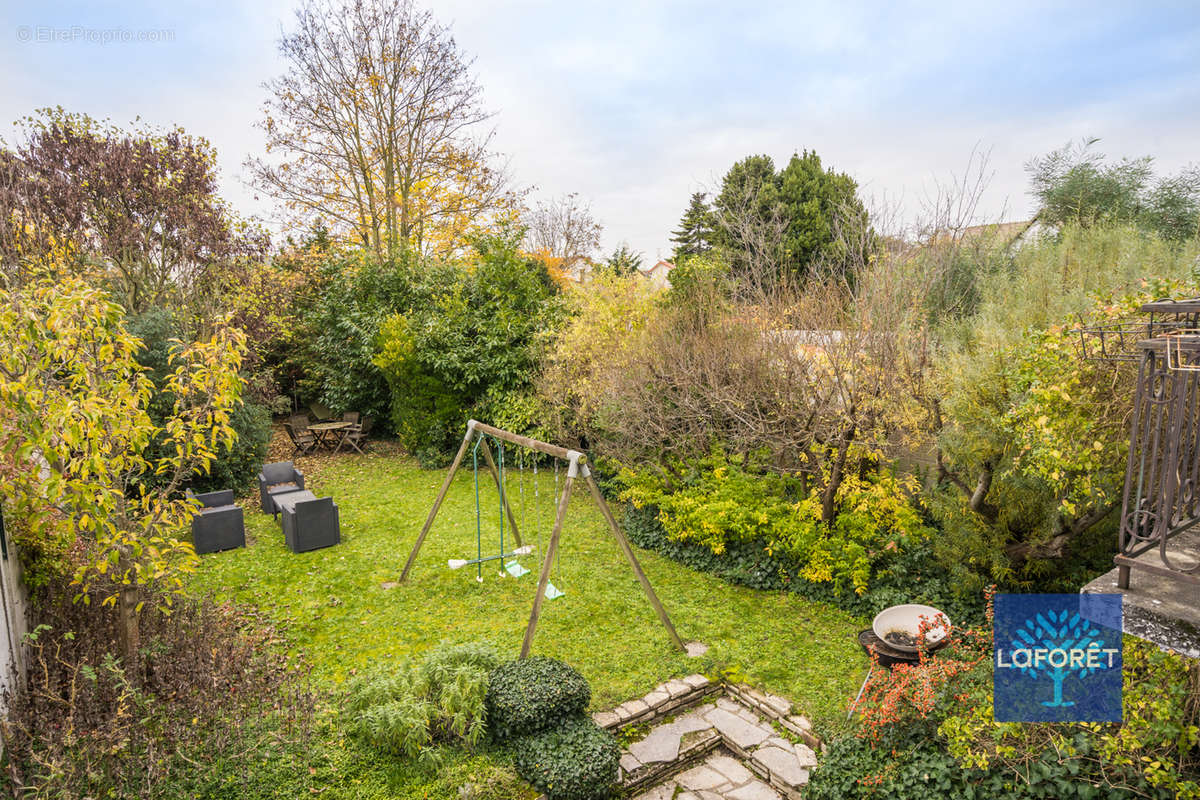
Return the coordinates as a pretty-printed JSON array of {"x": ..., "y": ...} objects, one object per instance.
[
  {"x": 623, "y": 261},
  {"x": 695, "y": 233},
  {"x": 783, "y": 220}
]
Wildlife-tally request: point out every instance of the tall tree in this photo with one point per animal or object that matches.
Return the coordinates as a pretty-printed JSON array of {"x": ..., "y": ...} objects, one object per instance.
[
  {"x": 563, "y": 234},
  {"x": 381, "y": 128},
  {"x": 77, "y": 442},
  {"x": 136, "y": 208},
  {"x": 775, "y": 224},
  {"x": 1075, "y": 184},
  {"x": 694, "y": 235}
]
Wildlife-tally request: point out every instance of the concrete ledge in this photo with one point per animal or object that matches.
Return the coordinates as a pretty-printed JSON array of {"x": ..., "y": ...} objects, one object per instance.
[{"x": 1157, "y": 608}]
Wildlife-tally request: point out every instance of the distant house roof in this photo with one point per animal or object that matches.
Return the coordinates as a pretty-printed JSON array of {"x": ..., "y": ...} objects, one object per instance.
[
  {"x": 1006, "y": 232},
  {"x": 666, "y": 265}
]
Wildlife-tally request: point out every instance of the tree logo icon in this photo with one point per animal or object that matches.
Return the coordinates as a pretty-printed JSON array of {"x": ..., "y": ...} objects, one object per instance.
[
  {"x": 1060, "y": 638},
  {"x": 1057, "y": 658}
]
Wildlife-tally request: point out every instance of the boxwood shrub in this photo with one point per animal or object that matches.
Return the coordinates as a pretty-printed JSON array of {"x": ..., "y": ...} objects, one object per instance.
[
  {"x": 574, "y": 760},
  {"x": 532, "y": 695}
]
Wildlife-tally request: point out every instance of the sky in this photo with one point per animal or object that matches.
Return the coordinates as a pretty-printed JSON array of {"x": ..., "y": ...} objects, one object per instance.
[{"x": 636, "y": 105}]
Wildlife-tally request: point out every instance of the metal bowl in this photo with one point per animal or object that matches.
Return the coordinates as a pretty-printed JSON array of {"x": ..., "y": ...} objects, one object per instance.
[{"x": 907, "y": 619}]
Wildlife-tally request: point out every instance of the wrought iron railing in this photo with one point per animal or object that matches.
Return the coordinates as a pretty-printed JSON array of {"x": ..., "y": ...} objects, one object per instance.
[{"x": 1161, "y": 498}]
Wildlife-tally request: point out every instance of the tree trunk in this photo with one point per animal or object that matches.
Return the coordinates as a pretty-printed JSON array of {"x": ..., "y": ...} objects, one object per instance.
[
  {"x": 127, "y": 625},
  {"x": 836, "y": 475}
]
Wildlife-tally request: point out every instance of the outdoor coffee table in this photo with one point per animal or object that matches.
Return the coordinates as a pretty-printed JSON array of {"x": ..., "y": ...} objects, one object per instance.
[
  {"x": 286, "y": 503},
  {"x": 335, "y": 431}
]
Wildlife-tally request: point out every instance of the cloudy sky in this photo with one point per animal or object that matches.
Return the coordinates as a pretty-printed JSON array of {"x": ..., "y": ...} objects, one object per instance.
[{"x": 636, "y": 105}]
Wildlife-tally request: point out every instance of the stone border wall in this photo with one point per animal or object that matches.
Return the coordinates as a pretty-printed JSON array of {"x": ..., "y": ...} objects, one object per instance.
[
  {"x": 776, "y": 708},
  {"x": 660, "y": 702},
  {"x": 673, "y": 696}
]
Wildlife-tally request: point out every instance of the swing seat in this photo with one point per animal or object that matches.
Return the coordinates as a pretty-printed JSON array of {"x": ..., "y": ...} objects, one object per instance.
[
  {"x": 552, "y": 592},
  {"x": 515, "y": 569}
]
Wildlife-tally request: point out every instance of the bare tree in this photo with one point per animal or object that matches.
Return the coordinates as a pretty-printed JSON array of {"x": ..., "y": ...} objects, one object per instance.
[
  {"x": 380, "y": 127},
  {"x": 563, "y": 232}
]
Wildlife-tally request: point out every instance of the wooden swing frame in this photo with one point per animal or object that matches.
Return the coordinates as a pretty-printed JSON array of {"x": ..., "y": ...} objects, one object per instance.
[{"x": 577, "y": 468}]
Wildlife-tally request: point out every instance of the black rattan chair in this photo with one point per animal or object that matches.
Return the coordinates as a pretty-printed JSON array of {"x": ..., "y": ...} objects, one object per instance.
[
  {"x": 311, "y": 525},
  {"x": 278, "y": 478},
  {"x": 218, "y": 525}
]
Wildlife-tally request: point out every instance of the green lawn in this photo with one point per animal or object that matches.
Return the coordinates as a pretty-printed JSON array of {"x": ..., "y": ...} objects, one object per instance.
[{"x": 331, "y": 606}]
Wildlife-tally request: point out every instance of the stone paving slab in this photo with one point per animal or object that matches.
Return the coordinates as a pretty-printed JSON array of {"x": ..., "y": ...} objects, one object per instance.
[
  {"x": 755, "y": 790},
  {"x": 701, "y": 777},
  {"x": 721, "y": 777},
  {"x": 738, "y": 730},
  {"x": 783, "y": 764},
  {"x": 662, "y": 792},
  {"x": 661, "y": 745},
  {"x": 742, "y": 719}
]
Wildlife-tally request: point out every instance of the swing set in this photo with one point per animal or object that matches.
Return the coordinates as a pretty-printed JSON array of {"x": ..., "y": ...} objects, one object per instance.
[{"x": 577, "y": 469}]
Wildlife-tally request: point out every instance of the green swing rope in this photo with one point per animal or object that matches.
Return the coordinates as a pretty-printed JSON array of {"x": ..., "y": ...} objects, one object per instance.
[
  {"x": 478, "y": 528},
  {"x": 500, "y": 482},
  {"x": 478, "y": 515}
]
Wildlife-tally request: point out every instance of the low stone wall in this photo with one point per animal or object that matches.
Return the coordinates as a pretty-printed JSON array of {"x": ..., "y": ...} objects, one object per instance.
[
  {"x": 739, "y": 722},
  {"x": 661, "y": 702},
  {"x": 776, "y": 708}
]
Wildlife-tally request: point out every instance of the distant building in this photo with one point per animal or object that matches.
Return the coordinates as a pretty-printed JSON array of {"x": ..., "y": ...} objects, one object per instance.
[
  {"x": 1003, "y": 233},
  {"x": 580, "y": 271},
  {"x": 658, "y": 276}
]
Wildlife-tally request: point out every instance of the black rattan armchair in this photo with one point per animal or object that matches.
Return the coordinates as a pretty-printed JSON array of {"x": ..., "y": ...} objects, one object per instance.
[
  {"x": 311, "y": 525},
  {"x": 278, "y": 478},
  {"x": 218, "y": 525}
]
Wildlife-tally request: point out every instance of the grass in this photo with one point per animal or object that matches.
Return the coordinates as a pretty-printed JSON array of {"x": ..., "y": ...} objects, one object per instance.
[{"x": 333, "y": 610}]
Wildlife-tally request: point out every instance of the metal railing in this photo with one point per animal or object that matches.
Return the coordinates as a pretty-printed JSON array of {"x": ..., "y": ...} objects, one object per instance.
[{"x": 1161, "y": 498}]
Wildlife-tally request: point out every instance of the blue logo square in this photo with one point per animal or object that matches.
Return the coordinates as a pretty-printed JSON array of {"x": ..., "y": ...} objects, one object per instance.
[{"x": 1057, "y": 658}]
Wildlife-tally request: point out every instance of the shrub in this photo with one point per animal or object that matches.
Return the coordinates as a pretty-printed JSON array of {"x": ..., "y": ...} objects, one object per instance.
[
  {"x": 927, "y": 731},
  {"x": 404, "y": 711},
  {"x": 463, "y": 349},
  {"x": 718, "y": 504},
  {"x": 428, "y": 416},
  {"x": 911, "y": 575},
  {"x": 853, "y": 768},
  {"x": 1154, "y": 751},
  {"x": 532, "y": 695},
  {"x": 1031, "y": 436},
  {"x": 238, "y": 468},
  {"x": 921, "y": 769},
  {"x": 337, "y": 338},
  {"x": 234, "y": 468},
  {"x": 575, "y": 760},
  {"x": 211, "y": 704}
]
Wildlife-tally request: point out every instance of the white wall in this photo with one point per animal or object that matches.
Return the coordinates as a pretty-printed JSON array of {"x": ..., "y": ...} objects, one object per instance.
[{"x": 13, "y": 623}]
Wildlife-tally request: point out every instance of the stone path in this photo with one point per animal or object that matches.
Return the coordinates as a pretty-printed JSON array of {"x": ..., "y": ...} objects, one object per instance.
[
  {"x": 719, "y": 777},
  {"x": 751, "y": 760}
]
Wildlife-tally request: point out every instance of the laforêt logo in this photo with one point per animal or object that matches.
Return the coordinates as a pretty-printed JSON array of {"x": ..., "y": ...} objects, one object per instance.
[{"x": 1057, "y": 658}]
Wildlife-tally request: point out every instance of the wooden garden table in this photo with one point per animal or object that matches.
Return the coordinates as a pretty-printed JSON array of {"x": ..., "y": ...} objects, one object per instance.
[{"x": 335, "y": 431}]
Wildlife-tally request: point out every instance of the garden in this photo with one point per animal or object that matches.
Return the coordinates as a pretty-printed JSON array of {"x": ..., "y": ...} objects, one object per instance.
[{"x": 817, "y": 418}]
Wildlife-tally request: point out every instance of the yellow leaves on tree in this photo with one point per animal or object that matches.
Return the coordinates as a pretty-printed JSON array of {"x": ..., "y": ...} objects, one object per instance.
[{"x": 76, "y": 435}]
